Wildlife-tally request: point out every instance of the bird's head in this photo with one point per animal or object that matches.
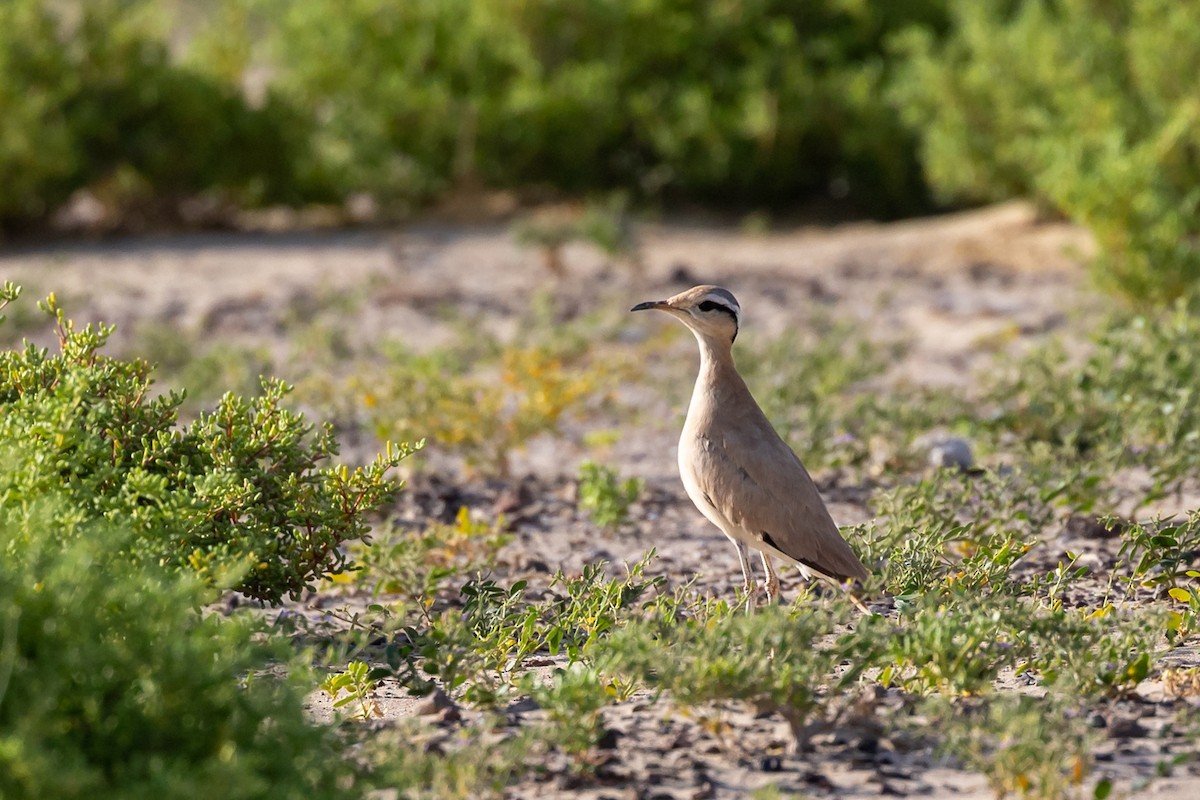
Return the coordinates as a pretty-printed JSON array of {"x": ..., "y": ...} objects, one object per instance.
[{"x": 711, "y": 312}]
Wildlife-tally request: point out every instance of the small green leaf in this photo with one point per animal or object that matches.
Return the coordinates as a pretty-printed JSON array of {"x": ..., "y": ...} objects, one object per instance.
[{"x": 1139, "y": 668}]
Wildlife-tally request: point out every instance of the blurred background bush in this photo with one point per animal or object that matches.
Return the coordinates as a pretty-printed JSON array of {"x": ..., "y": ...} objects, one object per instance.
[
  {"x": 750, "y": 101},
  {"x": 92, "y": 95},
  {"x": 1091, "y": 107},
  {"x": 864, "y": 106}
]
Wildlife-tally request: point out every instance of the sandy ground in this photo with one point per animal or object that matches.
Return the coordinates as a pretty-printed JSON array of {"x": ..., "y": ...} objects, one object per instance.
[{"x": 958, "y": 287}]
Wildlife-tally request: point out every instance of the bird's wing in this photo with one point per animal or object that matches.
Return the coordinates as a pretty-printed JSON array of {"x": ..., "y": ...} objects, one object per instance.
[{"x": 755, "y": 480}]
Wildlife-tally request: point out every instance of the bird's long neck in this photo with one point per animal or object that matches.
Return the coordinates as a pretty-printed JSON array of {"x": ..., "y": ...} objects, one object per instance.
[{"x": 717, "y": 379}]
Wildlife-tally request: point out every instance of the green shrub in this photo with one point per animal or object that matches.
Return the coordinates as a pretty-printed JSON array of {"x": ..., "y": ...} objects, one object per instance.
[
  {"x": 475, "y": 408},
  {"x": 778, "y": 661},
  {"x": 480, "y": 765},
  {"x": 38, "y": 156},
  {"x": 959, "y": 650},
  {"x": 759, "y": 101},
  {"x": 113, "y": 686},
  {"x": 1085, "y": 105},
  {"x": 239, "y": 496},
  {"x": 954, "y": 532},
  {"x": 479, "y": 650},
  {"x": 1130, "y": 402},
  {"x": 1032, "y": 747},
  {"x": 755, "y": 102},
  {"x": 91, "y": 97},
  {"x": 604, "y": 496}
]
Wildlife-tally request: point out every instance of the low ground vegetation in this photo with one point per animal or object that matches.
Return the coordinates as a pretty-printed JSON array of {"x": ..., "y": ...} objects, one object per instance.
[{"x": 998, "y": 649}]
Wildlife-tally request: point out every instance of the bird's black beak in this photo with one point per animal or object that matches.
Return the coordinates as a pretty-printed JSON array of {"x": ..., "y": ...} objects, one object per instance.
[{"x": 649, "y": 304}]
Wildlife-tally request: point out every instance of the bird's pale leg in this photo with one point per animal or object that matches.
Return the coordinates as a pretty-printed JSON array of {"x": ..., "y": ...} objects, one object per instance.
[
  {"x": 747, "y": 573},
  {"x": 772, "y": 584}
]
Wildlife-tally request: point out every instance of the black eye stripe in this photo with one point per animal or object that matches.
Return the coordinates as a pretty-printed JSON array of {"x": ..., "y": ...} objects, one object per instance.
[{"x": 709, "y": 305}]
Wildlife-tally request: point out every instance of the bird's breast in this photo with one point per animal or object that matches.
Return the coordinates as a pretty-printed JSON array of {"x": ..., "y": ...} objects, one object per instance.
[{"x": 692, "y": 457}]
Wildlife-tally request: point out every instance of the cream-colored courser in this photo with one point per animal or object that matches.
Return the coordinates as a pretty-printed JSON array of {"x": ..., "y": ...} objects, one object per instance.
[{"x": 736, "y": 469}]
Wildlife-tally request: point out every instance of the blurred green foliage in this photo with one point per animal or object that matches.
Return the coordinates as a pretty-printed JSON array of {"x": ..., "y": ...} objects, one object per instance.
[
  {"x": 91, "y": 97},
  {"x": 757, "y": 101},
  {"x": 1089, "y": 106},
  {"x": 113, "y": 686},
  {"x": 604, "y": 496},
  {"x": 751, "y": 101}
]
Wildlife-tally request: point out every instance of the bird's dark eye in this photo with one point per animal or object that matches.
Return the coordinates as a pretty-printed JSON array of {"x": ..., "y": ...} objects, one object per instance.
[{"x": 711, "y": 305}]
